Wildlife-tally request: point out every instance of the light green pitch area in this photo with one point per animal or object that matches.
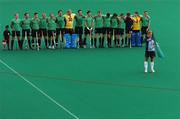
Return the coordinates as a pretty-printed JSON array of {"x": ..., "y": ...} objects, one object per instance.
[{"x": 92, "y": 83}]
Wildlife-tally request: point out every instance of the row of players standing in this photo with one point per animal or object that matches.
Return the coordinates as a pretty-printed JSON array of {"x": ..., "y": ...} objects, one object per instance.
[{"x": 54, "y": 27}]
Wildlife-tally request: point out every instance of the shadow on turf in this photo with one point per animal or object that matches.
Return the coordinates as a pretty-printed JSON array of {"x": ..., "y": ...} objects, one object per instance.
[{"x": 92, "y": 82}]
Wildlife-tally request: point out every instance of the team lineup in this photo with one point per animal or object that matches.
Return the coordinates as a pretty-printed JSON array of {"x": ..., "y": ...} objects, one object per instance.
[
  {"x": 72, "y": 30},
  {"x": 110, "y": 26}
]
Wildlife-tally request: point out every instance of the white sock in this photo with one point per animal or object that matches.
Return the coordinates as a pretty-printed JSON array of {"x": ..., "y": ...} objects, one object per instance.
[
  {"x": 145, "y": 66},
  {"x": 152, "y": 67}
]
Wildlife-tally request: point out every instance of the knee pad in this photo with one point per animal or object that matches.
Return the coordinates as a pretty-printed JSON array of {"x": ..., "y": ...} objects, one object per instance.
[
  {"x": 74, "y": 41},
  {"x": 67, "y": 39}
]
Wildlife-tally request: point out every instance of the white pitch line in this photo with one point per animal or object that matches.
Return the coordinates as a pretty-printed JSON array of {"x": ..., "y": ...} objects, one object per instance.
[{"x": 39, "y": 90}]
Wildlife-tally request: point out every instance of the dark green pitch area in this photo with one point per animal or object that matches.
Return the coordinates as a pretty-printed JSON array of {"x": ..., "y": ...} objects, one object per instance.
[{"x": 93, "y": 83}]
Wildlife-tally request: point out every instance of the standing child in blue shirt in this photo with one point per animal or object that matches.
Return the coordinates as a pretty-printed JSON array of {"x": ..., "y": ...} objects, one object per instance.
[{"x": 150, "y": 52}]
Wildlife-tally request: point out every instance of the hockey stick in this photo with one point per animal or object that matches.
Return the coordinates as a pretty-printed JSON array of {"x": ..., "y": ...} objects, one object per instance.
[
  {"x": 42, "y": 38},
  {"x": 25, "y": 39},
  {"x": 90, "y": 37},
  {"x": 106, "y": 39},
  {"x": 54, "y": 34},
  {"x": 16, "y": 41},
  {"x": 37, "y": 42},
  {"x": 113, "y": 35},
  {"x": 130, "y": 41},
  {"x": 61, "y": 40}
]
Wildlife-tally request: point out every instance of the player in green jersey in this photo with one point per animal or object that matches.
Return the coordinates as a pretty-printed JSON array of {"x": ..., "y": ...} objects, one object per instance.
[
  {"x": 60, "y": 26},
  {"x": 89, "y": 23},
  {"x": 15, "y": 26},
  {"x": 145, "y": 23},
  {"x": 25, "y": 24},
  {"x": 114, "y": 28},
  {"x": 79, "y": 18},
  {"x": 121, "y": 27},
  {"x": 98, "y": 19},
  {"x": 43, "y": 28},
  {"x": 106, "y": 29},
  {"x": 35, "y": 30},
  {"x": 51, "y": 31}
]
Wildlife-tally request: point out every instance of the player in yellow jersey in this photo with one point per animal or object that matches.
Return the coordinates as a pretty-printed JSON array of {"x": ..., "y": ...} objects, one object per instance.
[
  {"x": 69, "y": 20},
  {"x": 136, "y": 27}
]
